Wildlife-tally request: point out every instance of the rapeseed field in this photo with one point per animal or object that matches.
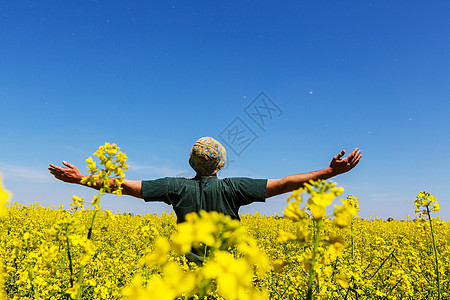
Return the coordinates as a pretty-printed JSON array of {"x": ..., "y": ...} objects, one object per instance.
[{"x": 91, "y": 253}]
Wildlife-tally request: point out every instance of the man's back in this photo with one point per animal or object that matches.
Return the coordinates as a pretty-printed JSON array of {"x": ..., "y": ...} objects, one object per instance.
[{"x": 207, "y": 193}]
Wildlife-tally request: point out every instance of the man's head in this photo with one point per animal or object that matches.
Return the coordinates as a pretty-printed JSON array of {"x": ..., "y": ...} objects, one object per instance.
[{"x": 207, "y": 156}]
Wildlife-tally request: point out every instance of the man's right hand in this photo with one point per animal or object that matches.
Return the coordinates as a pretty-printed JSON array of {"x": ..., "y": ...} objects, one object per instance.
[
  {"x": 70, "y": 174},
  {"x": 345, "y": 164}
]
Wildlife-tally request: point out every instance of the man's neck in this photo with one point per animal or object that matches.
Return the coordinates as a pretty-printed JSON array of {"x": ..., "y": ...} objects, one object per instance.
[{"x": 197, "y": 176}]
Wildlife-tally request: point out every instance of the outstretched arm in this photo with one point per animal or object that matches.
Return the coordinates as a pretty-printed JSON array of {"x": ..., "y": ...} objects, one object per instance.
[
  {"x": 337, "y": 166},
  {"x": 71, "y": 174}
]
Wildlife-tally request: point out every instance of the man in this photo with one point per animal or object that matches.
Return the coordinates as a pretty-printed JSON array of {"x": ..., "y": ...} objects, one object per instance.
[{"x": 205, "y": 191}]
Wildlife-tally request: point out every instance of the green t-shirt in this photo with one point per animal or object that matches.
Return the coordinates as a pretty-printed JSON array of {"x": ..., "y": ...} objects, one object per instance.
[{"x": 205, "y": 193}]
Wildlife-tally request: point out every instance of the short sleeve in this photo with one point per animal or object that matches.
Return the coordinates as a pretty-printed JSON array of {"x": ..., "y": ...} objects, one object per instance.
[
  {"x": 156, "y": 190},
  {"x": 249, "y": 190}
]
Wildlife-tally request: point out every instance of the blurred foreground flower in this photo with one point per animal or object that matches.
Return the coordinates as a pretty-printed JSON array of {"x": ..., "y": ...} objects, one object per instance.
[
  {"x": 4, "y": 195},
  {"x": 217, "y": 237},
  {"x": 344, "y": 215},
  {"x": 317, "y": 256}
]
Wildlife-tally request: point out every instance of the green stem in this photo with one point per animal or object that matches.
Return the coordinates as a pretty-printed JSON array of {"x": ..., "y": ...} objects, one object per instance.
[
  {"x": 203, "y": 288},
  {"x": 204, "y": 252},
  {"x": 353, "y": 247},
  {"x": 80, "y": 282},
  {"x": 70, "y": 261},
  {"x": 89, "y": 237},
  {"x": 379, "y": 268},
  {"x": 317, "y": 226},
  {"x": 145, "y": 277},
  {"x": 409, "y": 276},
  {"x": 31, "y": 274},
  {"x": 435, "y": 254},
  {"x": 95, "y": 212},
  {"x": 33, "y": 284}
]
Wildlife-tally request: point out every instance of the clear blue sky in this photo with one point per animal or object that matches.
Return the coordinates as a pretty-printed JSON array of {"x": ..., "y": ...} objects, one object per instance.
[{"x": 153, "y": 76}]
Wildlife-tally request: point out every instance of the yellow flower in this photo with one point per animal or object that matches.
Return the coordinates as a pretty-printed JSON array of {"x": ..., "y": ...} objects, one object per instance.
[
  {"x": 195, "y": 231},
  {"x": 233, "y": 276},
  {"x": 173, "y": 283},
  {"x": 343, "y": 215},
  {"x": 293, "y": 211},
  {"x": 286, "y": 236},
  {"x": 94, "y": 201},
  {"x": 73, "y": 291},
  {"x": 321, "y": 199},
  {"x": 178, "y": 280},
  {"x": 322, "y": 194},
  {"x": 160, "y": 254},
  {"x": 436, "y": 207},
  {"x": 91, "y": 165},
  {"x": 297, "y": 194},
  {"x": 317, "y": 211},
  {"x": 425, "y": 199},
  {"x": 110, "y": 214},
  {"x": 353, "y": 201},
  {"x": 91, "y": 282},
  {"x": 4, "y": 195},
  {"x": 278, "y": 265}
]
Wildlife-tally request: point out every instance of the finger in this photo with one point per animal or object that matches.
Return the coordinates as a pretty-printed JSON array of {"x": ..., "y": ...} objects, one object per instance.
[
  {"x": 351, "y": 155},
  {"x": 59, "y": 177},
  {"x": 55, "y": 172},
  {"x": 339, "y": 155},
  {"x": 68, "y": 165},
  {"x": 349, "y": 159},
  {"x": 356, "y": 161},
  {"x": 53, "y": 169},
  {"x": 356, "y": 156}
]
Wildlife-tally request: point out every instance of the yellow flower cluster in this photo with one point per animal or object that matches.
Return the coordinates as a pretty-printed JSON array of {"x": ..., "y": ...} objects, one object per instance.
[
  {"x": 322, "y": 193},
  {"x": 344, "y": 215},
  {"x": 426, "y": 201},
  {"x": 319, "y": 250},
  {"x": 114, "y": 162},
  {"x": 353, "y": 202},
  {"x": 4, "y": 195},
  {"x": 223, "y": 273}
]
